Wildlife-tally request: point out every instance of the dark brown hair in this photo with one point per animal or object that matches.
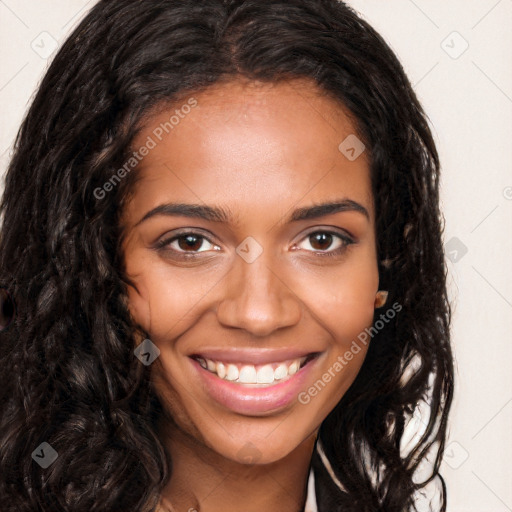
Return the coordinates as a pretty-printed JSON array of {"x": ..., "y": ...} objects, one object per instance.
[{"x": 68, "y": 374}]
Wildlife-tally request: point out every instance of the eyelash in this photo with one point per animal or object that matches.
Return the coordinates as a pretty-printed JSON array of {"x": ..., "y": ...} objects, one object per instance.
[{"x": 345, "y": 239}]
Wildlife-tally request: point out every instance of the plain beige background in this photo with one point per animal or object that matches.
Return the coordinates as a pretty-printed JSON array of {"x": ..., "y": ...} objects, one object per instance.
[{"x": 458, "y": 55}]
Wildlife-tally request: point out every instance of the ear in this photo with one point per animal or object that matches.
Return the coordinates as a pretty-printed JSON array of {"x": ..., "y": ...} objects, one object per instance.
[{"x": 380, "y": 298}]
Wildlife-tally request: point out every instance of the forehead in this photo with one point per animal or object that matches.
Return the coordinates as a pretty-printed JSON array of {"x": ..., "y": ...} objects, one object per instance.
[{"x": 270, "y": 144}]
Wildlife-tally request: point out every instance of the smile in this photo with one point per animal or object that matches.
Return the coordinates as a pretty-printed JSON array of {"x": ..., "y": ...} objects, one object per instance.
[
  {"x": 260, "y": 374},
  {"x": 254, "y": 383}
]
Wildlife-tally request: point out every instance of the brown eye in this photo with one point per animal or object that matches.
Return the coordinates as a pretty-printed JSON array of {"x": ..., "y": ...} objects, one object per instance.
[
  {"x": 327, "y": 243},
  {"x": 320, "y": 241},
  {"x": 190, "y": 242}
]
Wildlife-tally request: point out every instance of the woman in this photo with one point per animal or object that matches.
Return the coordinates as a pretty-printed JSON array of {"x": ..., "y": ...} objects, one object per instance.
[{"x": 222, "y": 234}]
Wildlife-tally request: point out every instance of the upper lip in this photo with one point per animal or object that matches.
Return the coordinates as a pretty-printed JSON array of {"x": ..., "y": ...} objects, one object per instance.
[{"x": 253, "y": 356}]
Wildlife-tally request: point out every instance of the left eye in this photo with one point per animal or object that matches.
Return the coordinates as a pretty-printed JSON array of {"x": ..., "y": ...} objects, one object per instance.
[
  {"x": 190, "y": 242},
  {"x": 326, "y": 241}
]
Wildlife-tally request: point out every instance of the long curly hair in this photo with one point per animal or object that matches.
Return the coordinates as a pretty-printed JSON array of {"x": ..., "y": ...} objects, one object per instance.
[{"x": 68, "y": 373}]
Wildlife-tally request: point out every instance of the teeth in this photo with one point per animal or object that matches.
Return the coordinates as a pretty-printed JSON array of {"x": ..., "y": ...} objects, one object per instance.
[
  {"x": 221, "y": 370},
  {"x": 232, "y": 372},
  {"x": 281, "y": 372},
  {"x": 247, "y": 375},
  {"x": 250, "y": 374},
  {"x": 293, "y": 368},
  {"x": 265, "y": 375}
]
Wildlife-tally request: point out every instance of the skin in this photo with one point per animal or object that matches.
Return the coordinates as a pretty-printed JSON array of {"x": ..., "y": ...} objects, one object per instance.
[{"x": 259, "y": 151}]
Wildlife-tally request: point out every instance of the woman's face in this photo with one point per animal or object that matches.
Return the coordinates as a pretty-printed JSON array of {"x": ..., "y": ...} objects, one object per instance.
[{"x": 251, "y": 241}]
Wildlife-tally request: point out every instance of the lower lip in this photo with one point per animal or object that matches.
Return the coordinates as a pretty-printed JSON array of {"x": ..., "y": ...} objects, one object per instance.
[{"x": 253, "y": 401}]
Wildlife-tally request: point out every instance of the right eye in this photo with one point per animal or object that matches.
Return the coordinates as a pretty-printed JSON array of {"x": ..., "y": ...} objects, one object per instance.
[{"x": 188, "y": 244}]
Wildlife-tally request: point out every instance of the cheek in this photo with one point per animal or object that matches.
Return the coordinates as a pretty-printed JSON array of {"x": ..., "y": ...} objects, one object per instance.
[
  {"x": 347, "y": 312},
  {"x": 165, "y": 303},
  {"x": 139, "y": 303},
  {"x": 344, "y": 306},
  {"x": 343, "y": 300}
]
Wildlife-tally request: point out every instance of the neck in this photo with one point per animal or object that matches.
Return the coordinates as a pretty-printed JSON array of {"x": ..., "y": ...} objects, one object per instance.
[{"x": 204, "y": 481}]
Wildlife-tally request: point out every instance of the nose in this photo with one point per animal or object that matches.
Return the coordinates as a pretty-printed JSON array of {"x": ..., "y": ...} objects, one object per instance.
[{"x": 258, "y": 299}]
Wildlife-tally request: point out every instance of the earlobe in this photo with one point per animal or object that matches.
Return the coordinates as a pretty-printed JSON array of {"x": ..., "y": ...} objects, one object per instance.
[{"x": 380, "y": 298}]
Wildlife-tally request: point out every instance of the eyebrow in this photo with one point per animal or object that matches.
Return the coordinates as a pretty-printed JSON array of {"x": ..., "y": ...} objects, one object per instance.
[
  {"x": 320, "y": 210},
  {"x": 216, "y": 214}
]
